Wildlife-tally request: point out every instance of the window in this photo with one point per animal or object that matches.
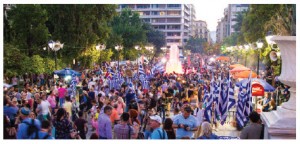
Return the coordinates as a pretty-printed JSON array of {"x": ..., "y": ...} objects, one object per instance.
[
  {"x": 174, "y": 20},
  {"x": 143, "y": 6},
  {"x": 162, "y": 13},
  {"x": 173, "y": 13},
  {"x": 154, "y": 13},
  {"x": 159, "y": 20},
  {"x": 177, "y": 27},
  {"x": 174, "y": 6},
  {"x": 146, "y": 20},
  {"x": 173, "y": 33}
]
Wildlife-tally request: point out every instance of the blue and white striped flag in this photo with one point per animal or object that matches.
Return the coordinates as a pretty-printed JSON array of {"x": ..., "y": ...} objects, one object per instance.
[
  {"x": 146, "y": 84},
  {"x": 208, "y": 108},
  {"x": 73, "y": 85},
  {"x": 249, "y": 107},
  {"x": 244, "y": 103},
  {"x": 141, "y": 70}
]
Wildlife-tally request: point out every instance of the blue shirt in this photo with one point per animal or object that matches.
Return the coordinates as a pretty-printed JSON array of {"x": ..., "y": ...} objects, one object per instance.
[
  {"x": 22, "y": 129},
  {"x": 42, "y": 135},
  {"x": 104, "y": 126},
  {"x": 158, "y": 133},
  {"x": 11, "y": 112},
  {"x": 190, "y": 121},
  {"x": 212, "y": 136}
]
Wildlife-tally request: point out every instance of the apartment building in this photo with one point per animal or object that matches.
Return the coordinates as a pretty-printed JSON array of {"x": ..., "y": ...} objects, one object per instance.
[
  {"x": 202, "y": 31},
  {"x": 226, "y": 23},
  {"x": 175, "y": 20}
]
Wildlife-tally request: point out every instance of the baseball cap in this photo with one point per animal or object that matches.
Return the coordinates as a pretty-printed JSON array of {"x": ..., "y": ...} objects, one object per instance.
[
  {"x": 156, "y": 118},
  {"x": 25, "y": 111}
]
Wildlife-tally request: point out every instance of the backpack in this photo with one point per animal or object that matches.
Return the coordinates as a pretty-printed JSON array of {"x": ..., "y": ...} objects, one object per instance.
[
  {"x": 163, "y": 136},
  {"x": 31, "y": 129}
]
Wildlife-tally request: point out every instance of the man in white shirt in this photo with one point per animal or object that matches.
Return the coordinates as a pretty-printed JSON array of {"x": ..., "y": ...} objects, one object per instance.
[{"x": 199, "y": 114}]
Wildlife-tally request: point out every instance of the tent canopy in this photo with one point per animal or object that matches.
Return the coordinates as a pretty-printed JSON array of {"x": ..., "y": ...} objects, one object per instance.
[
  {"x": 244, "y": 74},
  {"x": 267, "y": 86},
  {"x": 66, "y": 71}
]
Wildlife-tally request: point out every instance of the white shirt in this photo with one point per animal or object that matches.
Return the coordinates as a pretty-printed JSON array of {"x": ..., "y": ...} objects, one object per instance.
[
  {"x": 199, "y": 115},
  {"x": 45, "y": 107}
]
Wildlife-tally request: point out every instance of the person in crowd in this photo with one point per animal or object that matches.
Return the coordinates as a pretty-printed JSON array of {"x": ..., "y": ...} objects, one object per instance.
[
  {"x": 134, "y": 121},
  {"x": 62, "y": 92},
  {"x": 52, "y": 101},
  {"x": 68, "y": 106},
  {"x": 199, "y": 114},
  {"x": 185, "y": 123},
  {"x": 9, "y": 131},
  {"x": 114, "y": 117},
  {"x": 45, "y": 131},
  {"x": 28, "y": 128},
  {"x": 206, "y": 131},
  {"x": 167, "y": 126},
  {"x": 81, "y": 125},
  {"x": 62, "y": 125},
  {"x": 124, "y": 130},
  {"x": 254, "y": 129},
  {"x": 158, "y": 132},
  {"x": 104, "y": 124}
]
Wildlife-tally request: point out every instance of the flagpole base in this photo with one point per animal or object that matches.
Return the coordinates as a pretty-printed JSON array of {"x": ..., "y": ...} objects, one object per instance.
[{"x": 279, "y": 124}]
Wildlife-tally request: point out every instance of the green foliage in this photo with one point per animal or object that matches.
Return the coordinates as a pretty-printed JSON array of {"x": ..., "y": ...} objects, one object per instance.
[
  {"x": 37, "y": 64},
  {"x": 127, "y": 31},
  {"x": 28, "y": 29},
  {"x": 79, "y": 26},
  {"x": 195, "y": 44}
]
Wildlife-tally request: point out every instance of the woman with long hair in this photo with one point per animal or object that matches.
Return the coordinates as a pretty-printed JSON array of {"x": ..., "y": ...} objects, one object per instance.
[
  {"x": 62, "y": 125},
  {"x": 206, "y": 132}
]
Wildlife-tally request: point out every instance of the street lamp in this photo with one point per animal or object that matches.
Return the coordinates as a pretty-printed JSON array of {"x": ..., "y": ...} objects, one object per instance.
[
  {"x": 118, "y": 48},
  {"x": 138, "y": 48},
  {"x": 246, "y": 48},
  {"x": 55, "y": 46},
  {"x": 100, "y": 47},
  {"x": 259, "y": 45}
]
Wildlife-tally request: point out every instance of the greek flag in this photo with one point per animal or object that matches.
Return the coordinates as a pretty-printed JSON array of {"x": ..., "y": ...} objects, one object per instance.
[
  {"x": 73, "y": 85},
  {"x": 227, "y": 100},
  {"x": 208, "y": 108},
  {"x": 146, "y": 84},
  {"x": 249, "y": 107},
  {"x": 244, "y": 103},
  {"x": 223, "y": 103},
  {"x": 141, "y": 70}
]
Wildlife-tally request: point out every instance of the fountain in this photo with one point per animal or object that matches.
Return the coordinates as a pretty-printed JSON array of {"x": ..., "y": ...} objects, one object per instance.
[
  {"x": 281, "y": 124},
  {"x": 173, "y": 64}
]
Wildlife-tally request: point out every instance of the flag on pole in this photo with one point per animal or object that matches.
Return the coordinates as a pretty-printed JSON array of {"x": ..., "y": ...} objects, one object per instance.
[
  {"x": 73, "y": 85},
  {"x": 244, "y": 103}
]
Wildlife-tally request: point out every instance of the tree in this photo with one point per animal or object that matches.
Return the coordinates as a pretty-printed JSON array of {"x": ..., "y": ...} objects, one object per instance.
[
  {"x": 261, "y": 19},
  {"x": 195, "y": 44},
  {"x": 127, "y": 31},
  {"x": 28, "y": 29},
  {"x": 155, "y": 37},
  {"x": 79, "y": 27}
]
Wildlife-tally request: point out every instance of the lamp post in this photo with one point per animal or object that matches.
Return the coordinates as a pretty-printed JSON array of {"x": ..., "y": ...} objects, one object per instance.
[
  {"x": 55, "y": 46},
  {"x": 118, "y": 48},
  {"x": 138, "y": 48},
  {"x": 259, "y": 45},
  {"x": 100, "y": 47},
  {"x": 246, "y": 48}
]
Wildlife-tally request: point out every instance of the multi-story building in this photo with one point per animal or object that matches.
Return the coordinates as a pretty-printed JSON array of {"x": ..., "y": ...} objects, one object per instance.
[
  {"x": 202, "y": 31},
  {"x": 174, "y": 20},
  {"x": 233, "y": 10},
  {"x": 225, "y": 25}
]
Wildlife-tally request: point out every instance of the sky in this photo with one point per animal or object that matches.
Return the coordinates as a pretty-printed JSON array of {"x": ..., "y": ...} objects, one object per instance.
[{"x": 210, "y": 12}]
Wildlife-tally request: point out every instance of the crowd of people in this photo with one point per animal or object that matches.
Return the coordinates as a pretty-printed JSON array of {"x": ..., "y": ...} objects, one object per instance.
[{"x": 171, "y": 108}]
